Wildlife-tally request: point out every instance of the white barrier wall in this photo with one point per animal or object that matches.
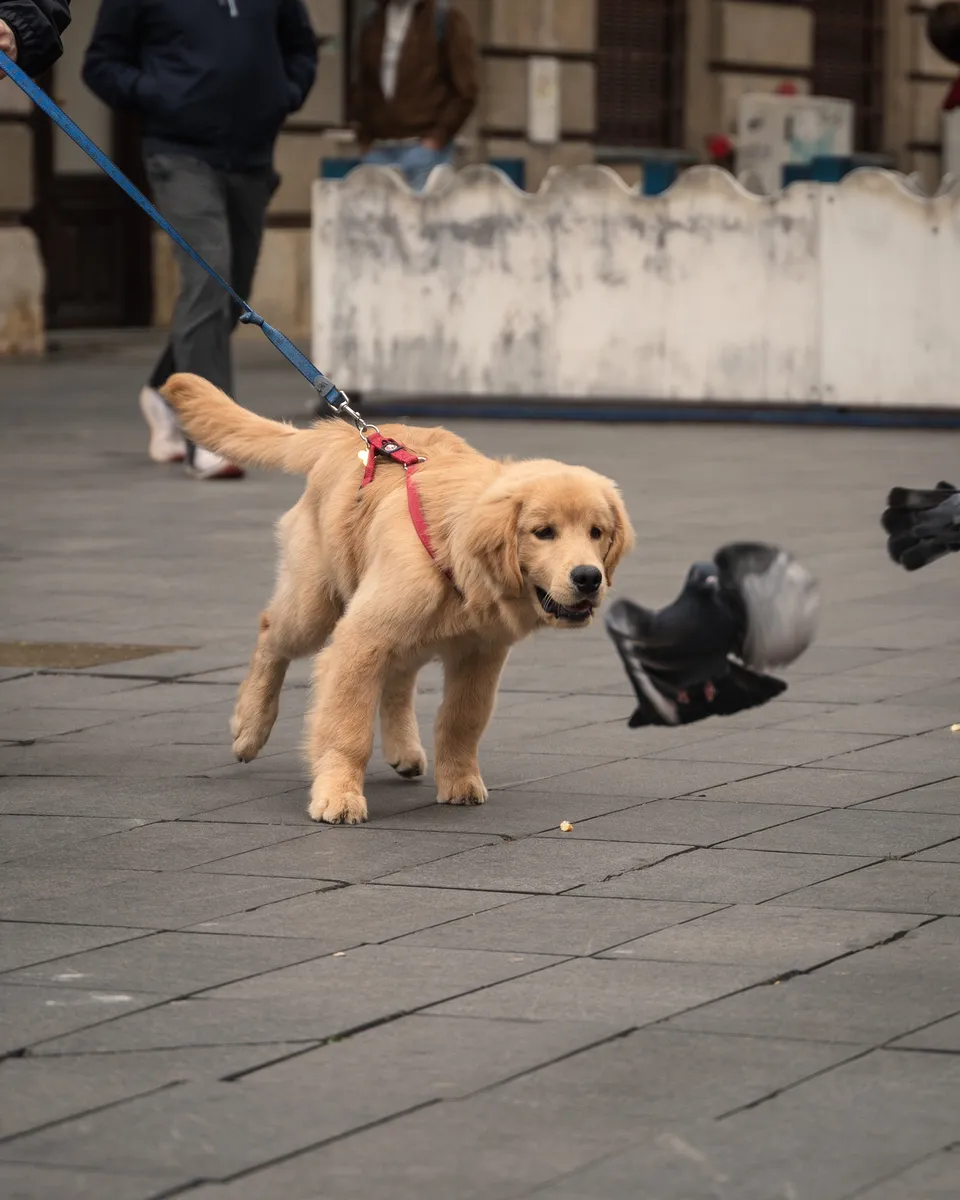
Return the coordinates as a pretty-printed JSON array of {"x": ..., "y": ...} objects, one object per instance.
[{"x": 838, "y": 295}]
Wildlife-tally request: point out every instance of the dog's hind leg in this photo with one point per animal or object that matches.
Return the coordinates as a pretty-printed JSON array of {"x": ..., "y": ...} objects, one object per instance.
[
  {"x": 399, "y": 733},
  {"x": 297, "y": 622}
]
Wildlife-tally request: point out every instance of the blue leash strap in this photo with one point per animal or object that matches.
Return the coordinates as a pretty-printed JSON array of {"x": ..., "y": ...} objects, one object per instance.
[{"x": 316, "y": 378}]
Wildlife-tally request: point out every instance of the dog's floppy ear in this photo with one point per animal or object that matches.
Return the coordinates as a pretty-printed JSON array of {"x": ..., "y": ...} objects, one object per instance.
[
  {"x": 624, "y": 538},
  {"x": 486, "y": 552}
]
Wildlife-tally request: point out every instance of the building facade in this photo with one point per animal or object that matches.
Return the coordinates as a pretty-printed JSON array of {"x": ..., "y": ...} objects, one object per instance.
[{"x": 633, "y": 76}]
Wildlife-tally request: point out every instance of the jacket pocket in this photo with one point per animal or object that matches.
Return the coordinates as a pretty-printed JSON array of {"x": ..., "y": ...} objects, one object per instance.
[{"x": 149, "y": 98}]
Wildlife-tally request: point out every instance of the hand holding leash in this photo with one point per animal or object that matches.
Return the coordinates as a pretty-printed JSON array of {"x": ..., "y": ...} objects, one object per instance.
[{"x": 8, "y": 45}]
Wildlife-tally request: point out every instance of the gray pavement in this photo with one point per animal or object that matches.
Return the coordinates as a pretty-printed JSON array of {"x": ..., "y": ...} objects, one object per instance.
[{"x": 737, "y": 978}]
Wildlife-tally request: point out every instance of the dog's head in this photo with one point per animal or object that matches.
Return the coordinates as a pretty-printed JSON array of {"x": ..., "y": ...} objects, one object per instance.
[{"x": 546, "y": 535}]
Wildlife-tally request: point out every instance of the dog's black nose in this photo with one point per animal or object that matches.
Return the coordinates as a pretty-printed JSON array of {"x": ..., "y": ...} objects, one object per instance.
[{"x": 586, "y": 580}]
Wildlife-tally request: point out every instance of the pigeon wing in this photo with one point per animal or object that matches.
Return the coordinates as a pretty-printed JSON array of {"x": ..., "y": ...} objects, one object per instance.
[
  {"x": 679, "y": 677},
  {"x": 630, "y": 627},
  {"x": 779, "y": 597}
]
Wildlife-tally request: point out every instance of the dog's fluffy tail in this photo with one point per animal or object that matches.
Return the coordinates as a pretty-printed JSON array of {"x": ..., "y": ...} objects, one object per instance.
[{"x": 212, "y": 419}]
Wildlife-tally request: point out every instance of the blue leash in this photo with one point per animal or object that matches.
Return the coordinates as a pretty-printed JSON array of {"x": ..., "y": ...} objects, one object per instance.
[{"x": 328, "y": 391}]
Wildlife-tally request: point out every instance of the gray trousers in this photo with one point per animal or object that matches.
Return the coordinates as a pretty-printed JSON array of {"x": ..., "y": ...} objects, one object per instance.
[{"x": 221, "y": 214}]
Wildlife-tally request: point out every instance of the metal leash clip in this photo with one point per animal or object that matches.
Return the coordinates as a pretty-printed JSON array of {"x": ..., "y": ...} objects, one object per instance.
[{"x": 344, "y": 409}]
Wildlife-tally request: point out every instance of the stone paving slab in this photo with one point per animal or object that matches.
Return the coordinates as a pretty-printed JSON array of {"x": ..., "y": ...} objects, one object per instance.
[
  {"x": 724, "y": 876},
  {"x": 900, "y": 720},
  {"x": 481, "y": 1147},
  {"x": 317, "y": 999},
  {"x": 567, "y": 925},
  {"x": 207, "y": 996},
  {"x": 939, "y": 797},
  {"x": 45, "y": 1090},
  {"x": 689, "y": 822},
  {"x": 146, "y": 900},
  {"x": 865, "y": 999},
  {"x": 197, "y": 1130},
  {"x": 939, "y": 751},
  {"x": 172, "y": 846},
  {"x": 882, "y": 834},
  {"x": 907, "y": 886},
  {"x": 941, "y": 1036},
  {"x": 37, "y": 1014},
  {"x": 363, "y": 913},
  {"x": 171, "y": 964},
  {"x": 823, "y": 787},
  {"x": 648, "y": 779},
  {"x": 936, "y": 1178},
  {"x": 28, "y": 942},
  {"x": 31, "y": 724},
  {"x": 535, "y": 865},
  {"x": 662, "y": 1075},
  {"x": 629, "y": 993},
  {"x": 354, "y": 855},
  {"x": 80, "y": 759},
  {"x": 787, "y": 748},
  {"x": 848, "y": 1120},
  {"x": 946, "y": 852},
  {"x": 854, "y": 687},
  {"x": 418, "y": 1059},
  {"x": 141, "y": 799},
  {"x": 23, "y": 835},
  {"x": 509, "y": 813},
  {"x": 780, "y": 938},
  {"x": 20, "y": 1181}
]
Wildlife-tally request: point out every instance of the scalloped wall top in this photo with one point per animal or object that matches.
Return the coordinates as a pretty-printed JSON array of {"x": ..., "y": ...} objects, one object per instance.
[{"x": 600, "y": 178}]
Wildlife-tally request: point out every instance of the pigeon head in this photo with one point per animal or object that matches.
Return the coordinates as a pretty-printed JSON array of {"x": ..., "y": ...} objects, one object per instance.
[{"x": 702, "y": 577}]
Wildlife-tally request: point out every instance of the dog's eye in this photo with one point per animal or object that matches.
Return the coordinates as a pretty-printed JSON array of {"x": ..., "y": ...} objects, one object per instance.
[
  {"x": 596, "y": 533},
  {"x": 546, "y": 533}
]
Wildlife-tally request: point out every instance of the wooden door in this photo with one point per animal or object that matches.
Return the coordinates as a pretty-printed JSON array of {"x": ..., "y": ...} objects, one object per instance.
[
  {"x": 641, "y": 53},
  {"x": 848, "y": 61},
  {"x": 95, "y": 241}
]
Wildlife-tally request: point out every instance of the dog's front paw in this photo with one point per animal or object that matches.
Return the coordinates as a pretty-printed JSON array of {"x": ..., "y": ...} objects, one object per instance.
[
  {"x": 410, "y": 763},
  {"x": 337, "y": 807},
  {"x": 463, "y": 789}
]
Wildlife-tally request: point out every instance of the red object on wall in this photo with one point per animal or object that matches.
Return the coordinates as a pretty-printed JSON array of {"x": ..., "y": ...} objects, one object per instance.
[{"x": 719, "y": 146}]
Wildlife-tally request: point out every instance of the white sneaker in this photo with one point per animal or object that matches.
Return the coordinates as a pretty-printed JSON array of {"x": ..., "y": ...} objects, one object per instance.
[
  {"x": 167, "y": 443},
  {"x": 207, "y": 465}
]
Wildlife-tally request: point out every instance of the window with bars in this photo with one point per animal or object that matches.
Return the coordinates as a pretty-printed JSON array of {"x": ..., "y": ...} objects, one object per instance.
[
  {"x": 848, "y": 53},
  {"x": 641, "y": 51}
]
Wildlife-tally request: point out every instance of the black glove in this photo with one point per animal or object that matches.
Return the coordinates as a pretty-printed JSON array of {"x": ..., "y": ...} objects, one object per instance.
[
  {"x": 922, "y": 525},
  {"x": 705, "y": 654}
]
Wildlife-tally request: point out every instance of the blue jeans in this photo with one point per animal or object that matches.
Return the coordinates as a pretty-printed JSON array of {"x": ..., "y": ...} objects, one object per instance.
[{"x": 415, "y": 161}]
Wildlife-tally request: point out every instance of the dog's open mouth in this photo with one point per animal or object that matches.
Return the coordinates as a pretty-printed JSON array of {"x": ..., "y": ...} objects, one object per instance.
[{"x": 577, "y": 615}]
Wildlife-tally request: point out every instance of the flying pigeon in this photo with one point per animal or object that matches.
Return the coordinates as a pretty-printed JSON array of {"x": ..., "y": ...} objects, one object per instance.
[
  {"x": 706, "y": 654},
  {"x": 922, "y": 525}
]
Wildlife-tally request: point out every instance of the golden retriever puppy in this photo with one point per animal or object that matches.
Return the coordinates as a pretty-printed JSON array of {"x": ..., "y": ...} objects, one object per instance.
[{"x": 506, "y": 548}]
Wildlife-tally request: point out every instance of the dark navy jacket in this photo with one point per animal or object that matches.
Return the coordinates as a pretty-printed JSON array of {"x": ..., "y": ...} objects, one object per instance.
[
  {"x": 37, "y": 25},
  {"x": 211, "y": 78}
]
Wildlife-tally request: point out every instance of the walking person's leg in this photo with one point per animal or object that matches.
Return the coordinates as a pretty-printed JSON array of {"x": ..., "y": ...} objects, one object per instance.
[
  {"x": 167, "y": 443},
  {"x": 382, "y": 156},
  {"x": 417, "y": 162},
  {"x": 192, "y": 196},
  {"x": 248, "y": 197}
]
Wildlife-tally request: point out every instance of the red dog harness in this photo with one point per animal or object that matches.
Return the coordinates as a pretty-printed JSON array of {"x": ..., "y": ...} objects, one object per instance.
[{"x": 384, "y": 447}]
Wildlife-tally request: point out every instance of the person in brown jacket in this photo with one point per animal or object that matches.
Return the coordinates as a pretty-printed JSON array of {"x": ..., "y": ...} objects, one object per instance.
[{"x": 416, "y": 85}]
